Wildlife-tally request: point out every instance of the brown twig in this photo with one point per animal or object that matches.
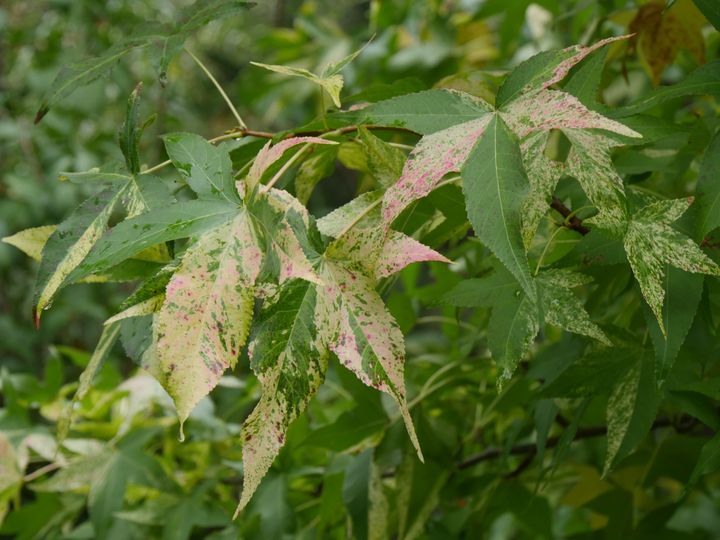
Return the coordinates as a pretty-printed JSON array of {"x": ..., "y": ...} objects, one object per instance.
[{"x": 571, "y": 221}]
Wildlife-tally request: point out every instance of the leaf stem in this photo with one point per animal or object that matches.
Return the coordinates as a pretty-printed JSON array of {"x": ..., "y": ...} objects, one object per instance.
[
  {"x": 286, "y": 166},
  {"x": 219, "y": 88}
]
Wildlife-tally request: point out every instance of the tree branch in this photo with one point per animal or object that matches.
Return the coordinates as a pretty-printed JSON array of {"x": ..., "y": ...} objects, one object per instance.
[{"x": 571, "y": 221}]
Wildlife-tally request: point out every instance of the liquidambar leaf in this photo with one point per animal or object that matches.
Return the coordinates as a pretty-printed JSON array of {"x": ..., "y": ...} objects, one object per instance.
[
  {"x": 31, "y": 241},
  {"x": 207, "y": 168},
  {"x": 650, "y": 244},
  {"x": 363, "y": 335},
  {"x": 432, "y": 158},
  {"x": 661, "y": 31},
  {"x": 290, "y": 361},
  {"x": 545, "y": 69},
  {"x": 69, "y": 244},
  {"x": 206, "y": 316},
  {"x": 271, "y": 153},
  {"x": 495, "y": 186}
]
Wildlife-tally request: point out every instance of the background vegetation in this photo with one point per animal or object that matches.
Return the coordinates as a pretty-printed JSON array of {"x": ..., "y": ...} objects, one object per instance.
[{"x": 526, "y": 462}]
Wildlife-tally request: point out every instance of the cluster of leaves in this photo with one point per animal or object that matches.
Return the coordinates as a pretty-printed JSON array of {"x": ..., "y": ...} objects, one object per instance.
[{"x": 230, "y": 260}]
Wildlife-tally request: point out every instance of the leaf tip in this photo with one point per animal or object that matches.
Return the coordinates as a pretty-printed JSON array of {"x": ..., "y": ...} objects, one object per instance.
[{"x": 41, "y": 114}]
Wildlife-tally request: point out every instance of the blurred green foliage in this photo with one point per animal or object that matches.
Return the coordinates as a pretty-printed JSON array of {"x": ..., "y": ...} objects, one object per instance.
[{"x": 123, "y": 474}]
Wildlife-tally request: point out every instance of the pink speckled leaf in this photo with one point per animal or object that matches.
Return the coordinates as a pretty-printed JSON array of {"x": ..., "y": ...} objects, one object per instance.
[
  {"x": 543, "y": 70},
  {"x": 434, "y": 156},
  {"x": 401, "y": 250},
  {"x": 553, "y": 109},
  {"x": 380, "y": 253},
  {"x": 206, "y": 315},
  {"x": 363, "y": 335},
  {"x": 271, "y": 153}
]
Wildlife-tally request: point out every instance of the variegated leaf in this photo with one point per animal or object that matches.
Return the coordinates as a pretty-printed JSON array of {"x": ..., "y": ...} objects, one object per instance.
[
  {"x": 363, "y": 334},
  {"x": 353, "y": 212},
  {"x": 543, "y": 175},
  {"x": 69, "y": 244},
  {"x": 283, "y": 223},
  {"x": 271, "y": 153},
  {"x": 565, "y": 310},
  {"x": 545, "y": 69},
  {"x": 207, "y": 311},
  {"x": 432, "y": 158},
  {"x": 553, "y": 109},
  {"x": 288, "y": 357},
  {"x": 650, "y": 244},
  {"x": 589, "y": 163},
  {"x": 31, "y": 241}
]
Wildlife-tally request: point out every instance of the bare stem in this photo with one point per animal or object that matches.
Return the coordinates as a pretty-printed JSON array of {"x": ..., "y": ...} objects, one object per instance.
[{"x": 219, "y": 88}]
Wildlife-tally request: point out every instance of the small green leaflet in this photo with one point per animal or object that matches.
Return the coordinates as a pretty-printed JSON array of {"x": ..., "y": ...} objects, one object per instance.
[
  {"x": 329, "y": 80},
  {"x": 650, "y": 244},
  {"x": 683, "y": 292}
]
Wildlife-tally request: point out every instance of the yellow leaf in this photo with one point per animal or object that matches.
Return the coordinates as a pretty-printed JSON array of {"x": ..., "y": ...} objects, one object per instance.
[{"x": 662, "y": 33}]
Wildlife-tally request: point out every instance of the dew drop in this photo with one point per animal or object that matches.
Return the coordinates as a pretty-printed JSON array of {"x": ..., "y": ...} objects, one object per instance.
[{"x": 181, "y": 434}]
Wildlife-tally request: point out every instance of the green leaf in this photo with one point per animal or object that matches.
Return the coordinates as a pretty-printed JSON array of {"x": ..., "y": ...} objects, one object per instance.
[
  {"x": 206, "y": 315},
  {"x": 592, "y": 374},
  {"x": 172, "y": 222},
  {"x": 69, "y": 244},
  {"x": 495, "y": 185},
  {"x": 165, "y": 42},
  {"x": 682, "y": 299},
  {"x": 332, "y": 84},
  {"x": 543, "y": 70},
  {"x": 78, "y": 74},
  {"x": 290, "y": 360},
  {"x": 631, "y": 409},
  {"x": 422, "y": 112},
  {"x": 584, "y": 84},
  {"x": 711, "y": 10},
  {"x": 384, "y": 161},
  {"x": 130, "y": 133},
  {"x": 704, "y": 80},
  {"x": 207, "y": 168},
  {"x": 650, "y": 244},
  {"x": 709, "y": 461},
  {"x": 109, "y": 336},
  {"x": 707, "y": 191}
]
